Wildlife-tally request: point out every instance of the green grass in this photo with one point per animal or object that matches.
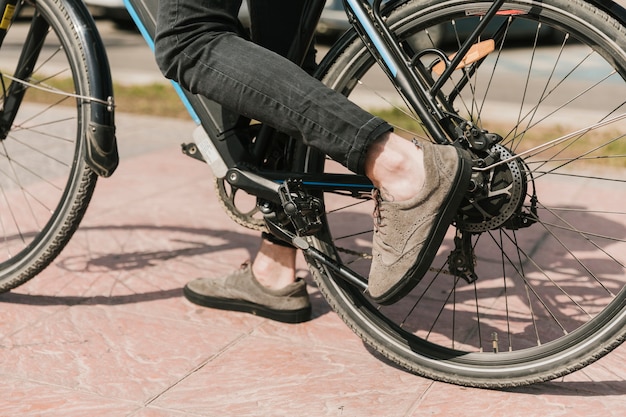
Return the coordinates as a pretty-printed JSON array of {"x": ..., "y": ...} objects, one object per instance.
[
  {"x": 155, "y": 100},
  {"x": 158, "y": 99},
  {"x": 161, "y": 100}
]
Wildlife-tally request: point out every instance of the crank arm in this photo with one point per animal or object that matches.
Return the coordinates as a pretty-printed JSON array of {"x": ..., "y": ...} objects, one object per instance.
[
  {"x": 299, "y": 242},
  {"x": 253, "y": 184},
  {"x": 344, "y": 272}
]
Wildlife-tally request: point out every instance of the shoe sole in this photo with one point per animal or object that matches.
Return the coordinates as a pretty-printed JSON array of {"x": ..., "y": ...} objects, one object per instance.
[
  {"x": 284, "y": 316},
  {"x": 433, "y": 242}
]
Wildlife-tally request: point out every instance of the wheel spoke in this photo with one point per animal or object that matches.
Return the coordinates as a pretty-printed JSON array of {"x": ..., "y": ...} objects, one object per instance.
[
  {"x": 547, "y": 237},
  {"x": 45, "y": 185}
]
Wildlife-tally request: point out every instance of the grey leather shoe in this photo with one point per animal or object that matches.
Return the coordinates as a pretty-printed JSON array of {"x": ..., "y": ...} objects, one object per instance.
[
  {"x": 408, "y": 233},
  {"x": 240, "y": 291}
]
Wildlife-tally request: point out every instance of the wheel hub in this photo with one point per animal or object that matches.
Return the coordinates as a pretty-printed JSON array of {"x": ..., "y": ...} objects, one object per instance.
[{"x": 497, "y": 195}]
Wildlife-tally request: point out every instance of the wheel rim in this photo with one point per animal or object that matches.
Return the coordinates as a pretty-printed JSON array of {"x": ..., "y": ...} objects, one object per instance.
[
  {"x": 40, "y": 160},
  {"x": 542, "y": 289}
]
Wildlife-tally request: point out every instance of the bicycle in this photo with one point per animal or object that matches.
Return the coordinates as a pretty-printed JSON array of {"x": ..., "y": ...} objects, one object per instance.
[{"x": 529, "y": 282}]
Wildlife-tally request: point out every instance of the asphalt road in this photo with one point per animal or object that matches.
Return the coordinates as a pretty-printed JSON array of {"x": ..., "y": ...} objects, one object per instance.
[{"x": 131, "y": 60}]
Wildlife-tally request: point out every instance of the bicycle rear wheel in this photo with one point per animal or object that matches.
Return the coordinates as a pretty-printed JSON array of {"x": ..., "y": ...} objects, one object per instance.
[
  {"x": 547, "y": 242},
  {"x": 45, "y": 186}
]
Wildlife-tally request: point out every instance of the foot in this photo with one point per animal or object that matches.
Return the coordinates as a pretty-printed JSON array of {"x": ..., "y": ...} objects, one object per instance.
[
  {"x": 241, "y": 291},
  {"x": 408, "y": 233}
]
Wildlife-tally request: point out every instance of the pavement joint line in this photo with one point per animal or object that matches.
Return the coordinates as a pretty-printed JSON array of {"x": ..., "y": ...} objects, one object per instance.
[{"x": 201, "y": 365}]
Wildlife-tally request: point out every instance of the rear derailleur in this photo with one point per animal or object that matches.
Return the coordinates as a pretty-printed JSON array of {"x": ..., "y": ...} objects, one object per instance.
[{"x": 462, "y": 260}]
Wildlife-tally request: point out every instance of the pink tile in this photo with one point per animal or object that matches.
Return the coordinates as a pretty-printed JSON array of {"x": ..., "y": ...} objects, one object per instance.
[
  {"x": 113, "y": 354},
  {"x": 105, "y": 329},
  {"x": 157, "y": 412},
  {"x": 265, "y": 377},
  {"x": 549, "y": 399},
  {"x": 30, "y": 399}
]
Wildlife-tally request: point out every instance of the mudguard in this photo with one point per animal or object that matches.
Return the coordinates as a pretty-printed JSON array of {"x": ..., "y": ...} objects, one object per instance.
[{"x": 101, "y": 156}]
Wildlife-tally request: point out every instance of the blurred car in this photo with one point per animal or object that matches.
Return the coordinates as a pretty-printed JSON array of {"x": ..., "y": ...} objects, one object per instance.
[
  {"x": 109, "y": 9},
  {"x": 332, "y": 22}
]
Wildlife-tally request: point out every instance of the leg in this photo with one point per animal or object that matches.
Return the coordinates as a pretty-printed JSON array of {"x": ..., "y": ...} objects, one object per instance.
[
  {"x": 421, "y": 186},
  {"x": 396, "y": 167},
  {"x": 273, "y": 25},
  {"x": 197, "y": 45},
  {"x": 275, "y": 264}
]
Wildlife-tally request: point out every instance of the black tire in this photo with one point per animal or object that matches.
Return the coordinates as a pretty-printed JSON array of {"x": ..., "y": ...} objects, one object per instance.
[
  {"x": 45, "y": 186},
  {"x": 550, "y": 297}
]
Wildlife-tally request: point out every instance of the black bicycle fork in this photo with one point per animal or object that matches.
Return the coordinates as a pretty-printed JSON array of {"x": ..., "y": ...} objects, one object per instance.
[{"x": 28, "y": 58}]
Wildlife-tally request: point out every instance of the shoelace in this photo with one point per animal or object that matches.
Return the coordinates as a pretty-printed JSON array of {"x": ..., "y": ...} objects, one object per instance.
[
  {"x": 377, "y": 197},
  {"x": 378, "y": 219}
]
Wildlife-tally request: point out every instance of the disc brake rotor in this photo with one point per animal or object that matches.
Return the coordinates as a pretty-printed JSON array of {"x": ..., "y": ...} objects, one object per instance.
[{"x": 501, "y": 195}]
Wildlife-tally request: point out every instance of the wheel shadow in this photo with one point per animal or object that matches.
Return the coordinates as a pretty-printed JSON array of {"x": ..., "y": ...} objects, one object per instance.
[
  {"x": 157, "y": 246},
  {"x": 588, "y": 261},
  {"x": 573, "y": 388}
]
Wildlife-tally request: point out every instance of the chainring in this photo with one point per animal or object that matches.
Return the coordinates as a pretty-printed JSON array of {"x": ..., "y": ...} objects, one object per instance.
[{"x": 250, "y": 218}]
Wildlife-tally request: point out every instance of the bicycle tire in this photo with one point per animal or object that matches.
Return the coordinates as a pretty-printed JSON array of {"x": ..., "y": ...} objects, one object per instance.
[
  {"x": 550, "y": 296},
  {"x": 44, "y": 182}
]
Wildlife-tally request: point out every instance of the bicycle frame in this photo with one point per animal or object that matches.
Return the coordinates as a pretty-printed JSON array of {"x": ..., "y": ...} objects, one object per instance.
[
  {"x": 217, "y": 137},
  {"x": 528, "y": 282}
]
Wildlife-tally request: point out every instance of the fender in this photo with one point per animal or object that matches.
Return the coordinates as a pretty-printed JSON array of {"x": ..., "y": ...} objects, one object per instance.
[
  {"x": 608, "y": 6},
  {"x": 101, "y": 145}
]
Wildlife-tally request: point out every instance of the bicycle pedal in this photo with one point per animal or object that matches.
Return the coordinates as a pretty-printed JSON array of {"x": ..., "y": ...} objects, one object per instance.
[{"x": 303, "y": 210}]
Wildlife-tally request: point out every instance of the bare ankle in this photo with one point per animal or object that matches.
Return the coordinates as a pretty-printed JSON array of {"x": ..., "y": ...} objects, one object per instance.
[
  {"x": 274, "y": 265},
  {"x": 396, "y": 167}
]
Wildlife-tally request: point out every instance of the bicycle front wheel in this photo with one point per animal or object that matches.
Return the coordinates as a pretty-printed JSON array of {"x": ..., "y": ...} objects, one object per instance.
[
  {"x": 45, "y": 186},
  {"x": 547, "y": 241}
]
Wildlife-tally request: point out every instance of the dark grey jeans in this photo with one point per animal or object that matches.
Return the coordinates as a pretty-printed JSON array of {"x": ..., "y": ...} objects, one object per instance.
[{"x": 199, "y": 45}]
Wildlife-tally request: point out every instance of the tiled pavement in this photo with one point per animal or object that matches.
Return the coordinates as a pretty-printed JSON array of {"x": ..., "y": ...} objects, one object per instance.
[{"x": 105, "y": 331}]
